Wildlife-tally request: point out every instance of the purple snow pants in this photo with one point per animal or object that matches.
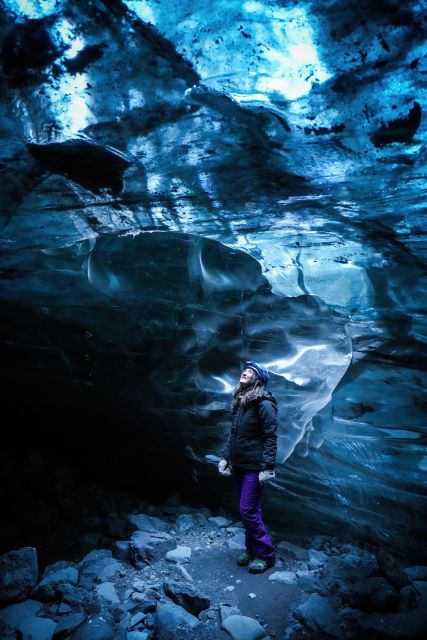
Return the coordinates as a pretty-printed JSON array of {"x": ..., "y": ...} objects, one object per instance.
[{"x": 248, "y": 490}]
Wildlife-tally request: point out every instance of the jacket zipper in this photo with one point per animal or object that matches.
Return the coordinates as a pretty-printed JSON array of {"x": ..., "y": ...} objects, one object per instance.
[{"x": 239, "y": 417}]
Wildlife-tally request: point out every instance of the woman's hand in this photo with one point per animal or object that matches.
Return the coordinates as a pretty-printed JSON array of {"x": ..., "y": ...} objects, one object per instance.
[
  {"x": 266, "y": 476},
  {"x": 223, "y": 467}
]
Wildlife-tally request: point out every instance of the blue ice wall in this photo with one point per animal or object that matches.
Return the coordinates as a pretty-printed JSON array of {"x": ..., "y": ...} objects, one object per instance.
[{"x": 185, "y": 185}]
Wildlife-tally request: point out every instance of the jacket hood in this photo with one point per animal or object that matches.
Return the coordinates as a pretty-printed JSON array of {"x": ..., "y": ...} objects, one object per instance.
[{"x": 266, "y": 395}]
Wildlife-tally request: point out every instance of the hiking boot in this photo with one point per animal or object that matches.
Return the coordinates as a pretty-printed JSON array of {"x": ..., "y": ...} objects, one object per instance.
[
  {"x": 244, "y": 559},
  {"x": 258, "y": 565}
]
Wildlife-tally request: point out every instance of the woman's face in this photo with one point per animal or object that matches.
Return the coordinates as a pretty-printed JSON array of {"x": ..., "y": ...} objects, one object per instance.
[{"x": 248, "y": 377}]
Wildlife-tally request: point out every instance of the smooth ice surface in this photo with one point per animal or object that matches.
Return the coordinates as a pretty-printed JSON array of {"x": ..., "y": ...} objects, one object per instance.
[{"x": 187, "y": 185}]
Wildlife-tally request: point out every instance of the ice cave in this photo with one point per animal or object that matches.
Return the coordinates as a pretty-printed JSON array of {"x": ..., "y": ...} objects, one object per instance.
[{"x": 188, "y": 185}]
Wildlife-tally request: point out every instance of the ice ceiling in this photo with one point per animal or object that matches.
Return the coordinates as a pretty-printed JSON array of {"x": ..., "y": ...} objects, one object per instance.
[{"x": 189, "y": 184}]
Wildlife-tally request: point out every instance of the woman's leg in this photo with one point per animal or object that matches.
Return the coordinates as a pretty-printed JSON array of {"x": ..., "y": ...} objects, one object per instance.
[
  {"x": 238, "y": 475},
  {"x": 258, "y": 539}
]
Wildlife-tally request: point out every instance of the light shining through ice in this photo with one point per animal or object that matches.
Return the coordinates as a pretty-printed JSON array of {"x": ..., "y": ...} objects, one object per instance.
[{"x": 253, "y": 174}]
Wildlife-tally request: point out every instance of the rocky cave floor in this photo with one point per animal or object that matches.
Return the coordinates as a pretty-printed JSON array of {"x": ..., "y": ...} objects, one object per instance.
[{"x": 170, "y": 572}]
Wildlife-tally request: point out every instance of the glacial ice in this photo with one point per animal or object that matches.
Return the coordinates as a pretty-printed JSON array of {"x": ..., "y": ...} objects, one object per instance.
[{"x": 184, "y": 187}]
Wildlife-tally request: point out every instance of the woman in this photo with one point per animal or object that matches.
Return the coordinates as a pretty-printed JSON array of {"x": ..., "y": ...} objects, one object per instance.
[{"x": 249, "y": 457}]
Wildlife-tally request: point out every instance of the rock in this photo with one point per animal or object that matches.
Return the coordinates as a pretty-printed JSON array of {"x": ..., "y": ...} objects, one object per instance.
[
  {"x": 251, "y": 595},
  {"x": 89, "y": 541},
  {"x": 46, "y": 589},
  {"x": 92, "y": 603},
  {"x": 237, "y": 542},
  {"x": 70, "y": 594},
  {"x": 107, "y": 591},
  {"x": 408, "y": 597},
  {"x": 36, "y": 629},
  {"x": 146, "y": 547},
  {"x": 115, "y": 526},
  {"x": 416, "y": 573},
  {"x": 421, "y": 588},
  {"x": 219, "y": 521},
  {"x": 310, "y": 583},
  {"x": 386, "y": 626},
  {"x": 96, "y": 628},
  {"x": 184, "y": 572},
  {"x": 348, "y": 569},
  {"x": 137, "y": 635},
  {"x": 373, "y": 594},
  {"x": 390, "y": 568},
  {"x": 316, "y": 558},
  {"x": 173, "y": 500},
  {"x": 287, "y": 577},
  {"x": 142, "y": 522},
  {"x": 64, "y": 608},
  {"x": 200, "y": 518},
  {"x": 184, "y": 522},
  {"x": 18, "y": 574},
  {"x": 172, "y": 619},
  {"x": 180, "y": 554},
  {"x": 235, "y": 530},
  {"x": 226, "y": 610},
  {"x": 148, "y": 606},
  {"x": 67, "y": 625},
  {"x": 318, "y": 615},
  {"x": 293, "y": 551},
  {"x": 186, "y": 596},
  {"x": 243, "y": 628},
  {"x": 98, "y": 566},
  {"x": 16, "y": 613},
  {"x": 137, "y": 618},
  {"x": 121, "y": 550}
]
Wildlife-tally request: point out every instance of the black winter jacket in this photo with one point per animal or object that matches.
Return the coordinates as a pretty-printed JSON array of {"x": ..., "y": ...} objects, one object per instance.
[{"x": 252, "y": 442}]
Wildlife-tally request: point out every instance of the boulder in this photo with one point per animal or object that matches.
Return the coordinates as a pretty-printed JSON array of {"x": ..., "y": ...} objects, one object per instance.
[
  {"x": 98, "y": 566},
  {"x": 187, "y": 596},
  {"x": 67, "y": 625},
  {"x": 287, "y": 577},
  {"x": 416, "y": 573},
  {"x": 237, "y": 542},
  {"x": 292, "y": 551},
  {"x": 142, "y": 522},
  {"x": 219, "y": 521},
  {"x": 108, "y": 592},
  {"x": 146, "y": 547},
  {"x": 338, "y": 571},
  {"x": 391, "y": 569},
  {"x": 226, "y": 610},
  {"x": 317, "y": 614},
  {"x": 387, "y": 626},
  {"x": 36, "y": 629},
  {"x": 184, "y": 522},
  {"x": 180, "y": 554},
  {"x": 121, "y": 550},
  {"x": 18, "y": 574},
  {"x": 374, "y": 594},
  {"x": 47, "y": 589},
  {"x": 316, "y": 558},
  {"x": 174, "y": 621},
  {"x": 243, "y": 628},
  {"x": 14, "y": 614},
  {"x": 95, "y": 628},
  {"x": 70, "y": 594}
]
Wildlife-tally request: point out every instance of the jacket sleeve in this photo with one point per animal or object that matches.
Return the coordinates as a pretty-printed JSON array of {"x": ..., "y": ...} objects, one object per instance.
[
  {"x": 268, "y": 415},
  {"x": 225, "y": 452}
]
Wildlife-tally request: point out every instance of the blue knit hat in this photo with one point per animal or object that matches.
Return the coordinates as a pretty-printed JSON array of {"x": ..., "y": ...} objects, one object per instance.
[{"x": 261, "y": 371}]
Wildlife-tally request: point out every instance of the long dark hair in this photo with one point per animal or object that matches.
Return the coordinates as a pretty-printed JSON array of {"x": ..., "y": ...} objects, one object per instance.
[{"x": 244, "y": 395}]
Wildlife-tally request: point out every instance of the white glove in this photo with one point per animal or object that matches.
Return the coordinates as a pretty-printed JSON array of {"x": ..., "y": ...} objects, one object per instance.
[
  {"x": 223, "y": 468},
  {"x": 266, "y": 476}
]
